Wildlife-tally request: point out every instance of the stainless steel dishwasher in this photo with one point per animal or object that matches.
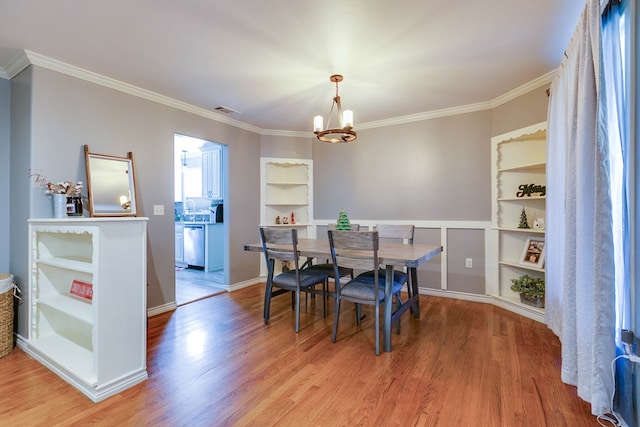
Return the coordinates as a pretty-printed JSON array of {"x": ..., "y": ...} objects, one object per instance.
[{"x": 194, "y": 245}]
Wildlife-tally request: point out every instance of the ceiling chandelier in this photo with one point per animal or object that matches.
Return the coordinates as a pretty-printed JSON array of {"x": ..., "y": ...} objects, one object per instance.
[{"x": 345, "y": 132}]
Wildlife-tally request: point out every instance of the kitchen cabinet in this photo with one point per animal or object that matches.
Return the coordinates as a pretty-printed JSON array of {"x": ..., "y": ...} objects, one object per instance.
[
  {"x": 87, "y": 301},
  {"x": 179, "y": 242},
  {"x": 518, "y": 165},
  {"x": 202, "y": 173},
  {"x": 214, "y": 249},
  {"x": 212, "y": 173}
]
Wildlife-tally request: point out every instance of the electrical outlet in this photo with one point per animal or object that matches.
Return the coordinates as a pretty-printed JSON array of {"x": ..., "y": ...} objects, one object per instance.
[
  {"x": 468, "y": 263},
  {"x": 158, "y": 209}
]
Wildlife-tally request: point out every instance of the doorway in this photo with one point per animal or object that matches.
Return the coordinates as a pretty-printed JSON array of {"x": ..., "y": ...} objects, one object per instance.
[{"x": 200, "y": 187}]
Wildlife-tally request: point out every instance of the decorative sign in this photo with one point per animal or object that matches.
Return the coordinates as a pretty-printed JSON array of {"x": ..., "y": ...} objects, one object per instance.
[
  {"x": 81, "y": 289},
  {"x": 531, "y": 189}
]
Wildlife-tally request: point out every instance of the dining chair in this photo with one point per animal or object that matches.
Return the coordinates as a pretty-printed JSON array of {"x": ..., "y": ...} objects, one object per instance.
[
  {"x": 402, "y": 233},
  {"x": 357, "y": 250},
  {"x": 281, "y": 244},
  {"x": 328, "y": 266}
]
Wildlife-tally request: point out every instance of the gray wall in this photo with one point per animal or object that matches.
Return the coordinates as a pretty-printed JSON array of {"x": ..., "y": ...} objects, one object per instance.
[
  {"x": 436, "y": 170},
  {"x": 5, "y": 135},
  {"x": 433, "y": 170},
  {"x": 66, "y": 113}
]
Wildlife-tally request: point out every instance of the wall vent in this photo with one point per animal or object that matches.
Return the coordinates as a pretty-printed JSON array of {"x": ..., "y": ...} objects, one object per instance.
[{"x": 226, "y": 110}]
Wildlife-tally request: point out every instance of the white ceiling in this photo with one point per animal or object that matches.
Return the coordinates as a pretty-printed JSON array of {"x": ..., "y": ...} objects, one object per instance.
[{"x": 271, "y": 59}]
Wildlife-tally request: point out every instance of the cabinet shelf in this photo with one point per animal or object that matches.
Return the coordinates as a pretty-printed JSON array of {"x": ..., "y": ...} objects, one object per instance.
[
  {"x": 521, "y": 199},
  {"x": 68, "y": 263},
  {"x": 287, "y": 183},
  {"x": 526, "y": 167},
  {"x": 518, "y": 265},
  {"x": 68, "y": 355},
  {"x": 79, "y": 310},
  {"x": 285, "y": 225},
  {"x": 519, "y": 230},
  {"x": 287, "y": 204}
]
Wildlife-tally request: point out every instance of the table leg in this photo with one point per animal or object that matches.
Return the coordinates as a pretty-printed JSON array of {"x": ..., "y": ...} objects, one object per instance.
[
  {"x": 388, "y": 306},
  {"x": 415, "y": 308}
]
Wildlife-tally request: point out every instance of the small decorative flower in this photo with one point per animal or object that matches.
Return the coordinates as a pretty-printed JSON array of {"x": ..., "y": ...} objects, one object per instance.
[{"x": 65, "y": 187}]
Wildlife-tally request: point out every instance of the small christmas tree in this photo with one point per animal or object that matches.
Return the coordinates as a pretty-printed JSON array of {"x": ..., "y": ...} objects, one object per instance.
[
  {"x": 523, "y": 219},
  {"x": 343, "y": 222}
]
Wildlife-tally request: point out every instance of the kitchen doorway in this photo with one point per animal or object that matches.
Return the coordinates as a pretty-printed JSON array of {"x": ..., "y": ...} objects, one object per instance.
[{"x": 201, "y": 236}]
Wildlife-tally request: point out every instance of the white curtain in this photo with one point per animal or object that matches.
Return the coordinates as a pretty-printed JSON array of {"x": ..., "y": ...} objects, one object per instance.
[{"x": 580, "y": 305}]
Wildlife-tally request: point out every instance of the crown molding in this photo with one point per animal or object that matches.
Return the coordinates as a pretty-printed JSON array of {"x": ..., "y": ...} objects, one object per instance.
[
  {"x": 15, "y": 66},
  {"x": 90, "y": 76},
  {"x": 26, "y": 58},
  {"x": 470, "y": 108}
]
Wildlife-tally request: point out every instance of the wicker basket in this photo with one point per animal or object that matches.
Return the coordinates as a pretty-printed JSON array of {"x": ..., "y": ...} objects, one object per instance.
[{"x": 6, "y": 314}]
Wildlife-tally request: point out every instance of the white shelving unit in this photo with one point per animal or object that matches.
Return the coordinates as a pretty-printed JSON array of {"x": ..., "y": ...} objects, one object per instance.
[
  {"x": 518, "y": 158},
  {"x": 96, "y": 339},
  {"x": 286, "y": 188}
]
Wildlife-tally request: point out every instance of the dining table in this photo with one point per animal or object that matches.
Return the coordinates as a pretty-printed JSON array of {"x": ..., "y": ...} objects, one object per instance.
[{"x": 391, "y": 255}]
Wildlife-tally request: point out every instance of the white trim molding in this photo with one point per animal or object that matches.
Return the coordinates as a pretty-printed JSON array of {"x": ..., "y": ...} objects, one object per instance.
[{"x": 27, "y": 57}]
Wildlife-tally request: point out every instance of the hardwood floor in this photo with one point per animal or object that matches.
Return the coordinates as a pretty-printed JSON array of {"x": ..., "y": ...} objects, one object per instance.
[{"x": 214, "y": 363}]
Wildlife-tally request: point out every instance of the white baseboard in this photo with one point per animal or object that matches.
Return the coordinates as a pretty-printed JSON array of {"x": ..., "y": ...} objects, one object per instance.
[{"x": 154, "y": 311}]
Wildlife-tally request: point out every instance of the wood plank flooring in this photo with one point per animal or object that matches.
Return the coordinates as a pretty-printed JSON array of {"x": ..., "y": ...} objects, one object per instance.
[{"x": 214, "y": 363}]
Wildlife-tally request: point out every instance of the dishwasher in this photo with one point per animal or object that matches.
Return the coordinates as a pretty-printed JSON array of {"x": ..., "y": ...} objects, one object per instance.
[{"x": 194, "y": 245}]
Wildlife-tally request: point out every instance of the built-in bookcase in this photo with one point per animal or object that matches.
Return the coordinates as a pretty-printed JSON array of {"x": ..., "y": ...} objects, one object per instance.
[
  {"x": 518, "y": 159},
  {"x": 286, "y": 190}
]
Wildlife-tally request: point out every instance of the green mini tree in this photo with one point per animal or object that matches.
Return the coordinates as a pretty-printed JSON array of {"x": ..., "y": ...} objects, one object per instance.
[
  {"x": 343, "y": 222},
  {"x": 523, "y": 219}
]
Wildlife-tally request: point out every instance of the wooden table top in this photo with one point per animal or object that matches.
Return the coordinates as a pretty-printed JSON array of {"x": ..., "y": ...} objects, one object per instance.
[{"x": 388, "y": 253}]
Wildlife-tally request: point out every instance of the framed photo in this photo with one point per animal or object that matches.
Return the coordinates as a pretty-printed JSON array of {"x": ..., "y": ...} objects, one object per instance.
[{"x": 533, "y": 252}]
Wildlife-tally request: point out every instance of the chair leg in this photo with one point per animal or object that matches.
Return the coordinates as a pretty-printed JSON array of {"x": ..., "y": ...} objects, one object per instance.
[
  {"x": 334, "y": 336},
  {"x": 398, "y": 305},
  {"x": 359, "y": 315},
  {"x": 377, "y": 329},
  {"x": 267, "y": 304},
  {"x": 298, "y": 310}
]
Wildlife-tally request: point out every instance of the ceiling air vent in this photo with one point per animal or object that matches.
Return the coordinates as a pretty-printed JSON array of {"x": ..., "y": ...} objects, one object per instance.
[{"x": 226, "y": 110}]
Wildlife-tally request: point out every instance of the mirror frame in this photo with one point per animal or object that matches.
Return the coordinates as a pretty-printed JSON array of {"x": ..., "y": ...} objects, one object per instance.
[{"x": 91, "y": 188}]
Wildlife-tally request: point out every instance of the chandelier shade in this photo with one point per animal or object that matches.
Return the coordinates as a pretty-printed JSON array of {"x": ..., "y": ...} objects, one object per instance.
[{"x": 344, "y": 132}]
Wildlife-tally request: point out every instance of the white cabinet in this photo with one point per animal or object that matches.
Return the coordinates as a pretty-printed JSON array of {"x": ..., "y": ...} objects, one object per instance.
[
  {"x": 179, "y": 243},
  {"x": 87, "y": 301},
  {"x": 212, "y": 173},
  {"x": 214, "y": 248},
  {"x": 519, "y": 182},
  {"x": 202, "y": 173}
]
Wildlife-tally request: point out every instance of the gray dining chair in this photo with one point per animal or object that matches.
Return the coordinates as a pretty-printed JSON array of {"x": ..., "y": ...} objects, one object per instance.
[
  {"x": 401, "y": 233},
  {"x": 359, "y": 290},
  {"x": 328, "y": 266},
  {"x": 295, "y": 280}
]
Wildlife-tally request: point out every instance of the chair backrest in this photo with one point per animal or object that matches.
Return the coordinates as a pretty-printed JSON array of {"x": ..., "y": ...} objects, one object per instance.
[
  {"x": 285, "y": 249},
  {"x": 354, "y": 249},
  {"x": 354, "y": 227},
  {"x": 396, "y": 232}
]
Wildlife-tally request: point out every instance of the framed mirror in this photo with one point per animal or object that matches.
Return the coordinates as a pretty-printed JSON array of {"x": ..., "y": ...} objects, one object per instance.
[{"x": 110, "y": 184}]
